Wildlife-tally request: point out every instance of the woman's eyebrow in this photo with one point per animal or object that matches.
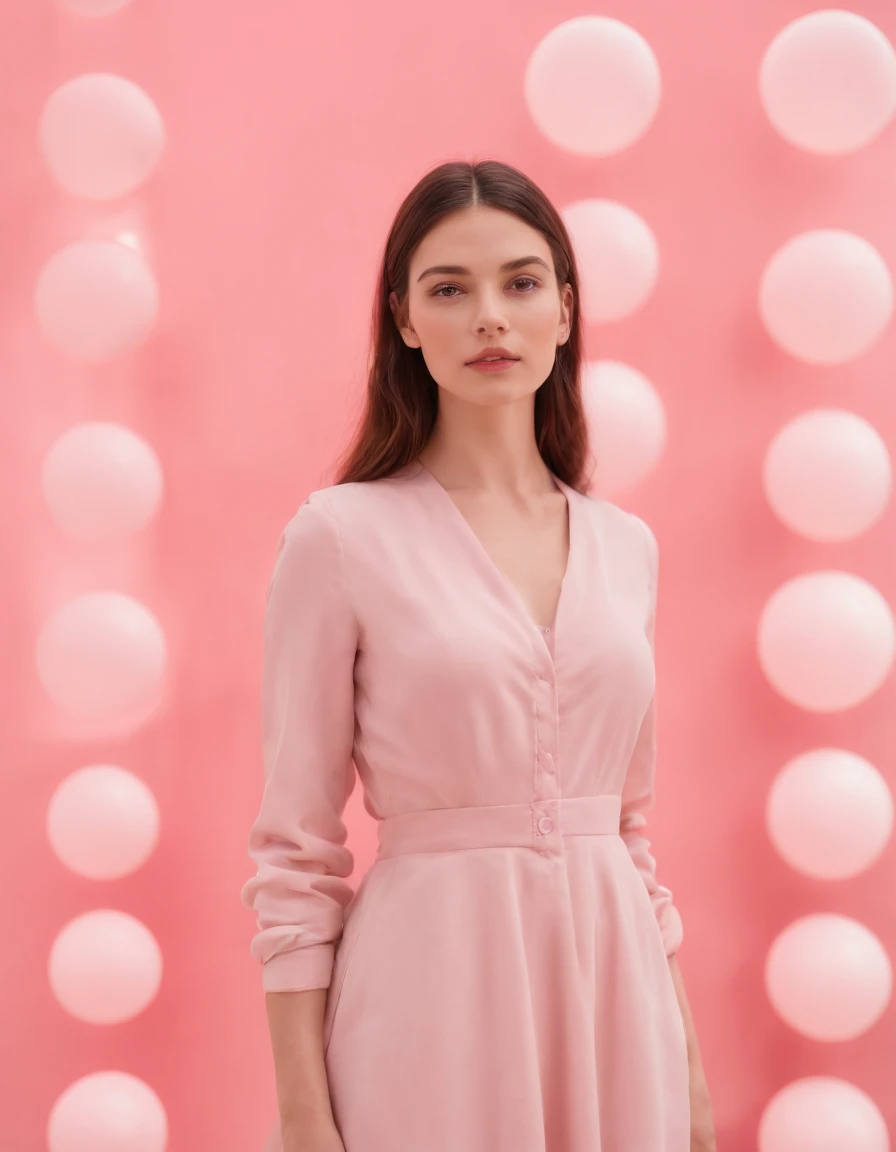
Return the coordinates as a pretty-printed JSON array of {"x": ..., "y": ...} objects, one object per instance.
[{"x": 458, "y": 270}]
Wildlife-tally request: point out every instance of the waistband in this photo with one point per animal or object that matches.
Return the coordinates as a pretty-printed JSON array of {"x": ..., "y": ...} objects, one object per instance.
[{"x": 540, "y": 824}]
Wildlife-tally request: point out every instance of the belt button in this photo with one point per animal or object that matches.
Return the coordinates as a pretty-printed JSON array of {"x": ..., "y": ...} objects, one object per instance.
[{"x": 545, "y": 825}]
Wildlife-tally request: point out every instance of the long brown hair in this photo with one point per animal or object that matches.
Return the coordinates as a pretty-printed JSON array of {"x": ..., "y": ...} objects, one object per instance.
[{"x": 402, "y": 397}]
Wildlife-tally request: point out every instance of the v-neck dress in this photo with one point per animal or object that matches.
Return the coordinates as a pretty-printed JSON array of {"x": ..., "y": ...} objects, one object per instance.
[{"x": 499, "y": 978}]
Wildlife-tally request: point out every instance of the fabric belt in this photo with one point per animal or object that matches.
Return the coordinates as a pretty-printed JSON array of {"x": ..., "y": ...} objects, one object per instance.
[{"x": 540, "y": 824}]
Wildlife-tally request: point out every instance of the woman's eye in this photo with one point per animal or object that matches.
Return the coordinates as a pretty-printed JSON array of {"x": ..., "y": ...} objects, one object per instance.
[{"x": 519, "y": 280}]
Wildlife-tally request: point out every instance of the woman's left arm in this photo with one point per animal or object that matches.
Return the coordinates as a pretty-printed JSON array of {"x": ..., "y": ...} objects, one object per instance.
[{"x": 703, "y": 1137}]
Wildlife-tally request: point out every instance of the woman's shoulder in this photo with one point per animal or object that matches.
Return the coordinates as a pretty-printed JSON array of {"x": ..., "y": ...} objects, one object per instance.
[
  {"x": 355, "y": 507},
  {"x": 620, "y": 520}
]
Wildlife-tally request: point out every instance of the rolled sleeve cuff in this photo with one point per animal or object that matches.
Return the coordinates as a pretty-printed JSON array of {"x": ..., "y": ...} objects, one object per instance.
[
  {"x": 299, "y": 970},
  {"x": 671, "y": 929}
]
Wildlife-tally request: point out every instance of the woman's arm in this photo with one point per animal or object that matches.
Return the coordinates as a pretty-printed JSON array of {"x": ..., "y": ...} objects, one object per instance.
[
  {"x": 678, "y": 979},
  {"x": 296, "y": 1023},
  {"x": 703, "y": 1135}
]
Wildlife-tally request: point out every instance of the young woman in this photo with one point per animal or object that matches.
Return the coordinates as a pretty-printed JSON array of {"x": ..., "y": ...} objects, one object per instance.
[{"x": 457, "y": 619}]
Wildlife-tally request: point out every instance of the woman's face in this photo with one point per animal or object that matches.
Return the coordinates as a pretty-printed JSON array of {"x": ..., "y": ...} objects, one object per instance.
[{"x": 452, "y": 316}]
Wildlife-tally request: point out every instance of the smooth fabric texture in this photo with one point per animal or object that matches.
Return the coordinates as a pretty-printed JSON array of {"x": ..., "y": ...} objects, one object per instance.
[{"x": 499, "y": 981}]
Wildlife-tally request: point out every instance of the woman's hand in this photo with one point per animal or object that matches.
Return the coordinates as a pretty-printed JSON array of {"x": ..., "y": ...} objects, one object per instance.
[{"x": 703, "y": 1134}]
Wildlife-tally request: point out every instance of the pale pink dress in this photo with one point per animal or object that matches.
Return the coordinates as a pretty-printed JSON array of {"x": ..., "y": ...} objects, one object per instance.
[{"x": 499, "y": 981}]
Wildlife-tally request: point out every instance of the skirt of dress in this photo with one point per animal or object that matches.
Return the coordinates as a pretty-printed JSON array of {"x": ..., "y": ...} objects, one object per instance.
[{"x": 498, "y": 1000}]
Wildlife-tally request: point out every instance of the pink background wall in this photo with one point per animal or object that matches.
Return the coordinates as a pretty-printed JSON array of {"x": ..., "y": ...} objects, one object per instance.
[{"x": 294, "y": 132}]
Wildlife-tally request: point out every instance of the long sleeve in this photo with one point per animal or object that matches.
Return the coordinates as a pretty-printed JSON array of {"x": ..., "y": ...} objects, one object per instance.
[
  {"x": 298, "y": 839},
  {"x": 638, "y": 795}
]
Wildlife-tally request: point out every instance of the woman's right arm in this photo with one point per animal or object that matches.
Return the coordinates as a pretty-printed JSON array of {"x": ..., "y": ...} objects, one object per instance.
[
  {"x": 296, "y": 1020},
  {"x": 298, "y": 840}
]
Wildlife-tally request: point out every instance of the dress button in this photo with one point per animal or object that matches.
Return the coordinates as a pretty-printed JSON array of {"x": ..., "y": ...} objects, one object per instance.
[
  {"x": 548, "y": 762},
  {"x": 545, "y": 825}
]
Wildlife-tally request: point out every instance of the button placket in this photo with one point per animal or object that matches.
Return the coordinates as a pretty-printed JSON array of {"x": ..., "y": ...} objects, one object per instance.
[{"x": 545, "y": 815}]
